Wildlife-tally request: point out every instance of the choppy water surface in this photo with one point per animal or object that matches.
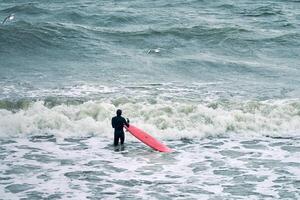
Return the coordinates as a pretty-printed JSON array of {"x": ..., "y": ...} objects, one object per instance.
[
  {"x": 212, "y": 168},
  {"x": 244, "y": 48},
  {"x": 217, "y": 81}
]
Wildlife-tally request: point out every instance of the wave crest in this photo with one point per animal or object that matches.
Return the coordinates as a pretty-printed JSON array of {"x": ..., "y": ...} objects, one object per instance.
[
  {"x": 168, "y": 120},
  {"x": 29, "y": 9},
  {"x": 25, "y": 38}
]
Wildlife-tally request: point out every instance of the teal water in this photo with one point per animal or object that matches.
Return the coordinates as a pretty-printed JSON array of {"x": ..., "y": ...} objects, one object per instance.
[
  {"x": 215, "y": 80},
  {"x": 244, "y": 48},
  {"x": 230, "y": 67}
]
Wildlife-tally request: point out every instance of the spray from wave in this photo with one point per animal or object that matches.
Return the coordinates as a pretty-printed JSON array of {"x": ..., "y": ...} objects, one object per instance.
[{"x": 165, "y": 120}]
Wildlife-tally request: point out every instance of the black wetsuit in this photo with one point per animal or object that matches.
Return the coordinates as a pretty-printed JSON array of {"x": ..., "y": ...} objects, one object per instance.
[{"x": 118, "y": 123}]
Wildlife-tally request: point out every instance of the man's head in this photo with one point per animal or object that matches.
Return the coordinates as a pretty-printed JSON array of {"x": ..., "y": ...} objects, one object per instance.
[{"x": 119, "y": 112}]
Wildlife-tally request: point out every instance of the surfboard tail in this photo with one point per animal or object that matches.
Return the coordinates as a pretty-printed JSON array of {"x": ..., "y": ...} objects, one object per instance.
[{"x": 148, "y": 139}]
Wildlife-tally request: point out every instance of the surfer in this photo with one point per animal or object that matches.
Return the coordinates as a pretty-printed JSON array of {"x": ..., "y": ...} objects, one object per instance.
[{"x": 118, "y": 123}]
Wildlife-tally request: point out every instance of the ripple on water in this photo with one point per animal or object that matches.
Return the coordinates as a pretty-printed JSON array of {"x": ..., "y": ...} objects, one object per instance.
[
  {"x": 45, "y": 177},
  {"x": 158, "y": 189},
  {"x": 26, "y": 147},
  {"x": 3, "y": 178},
  {"x": 97, "y": 191},
  {"x": 127, "y": 183},
  {"x": 90, "y": 176},
  {"x": 282, "y": 171},
  {"x": 6, "y": 141},
  {"x": 217, "y": 163},
  {"x": 240, "y": 189},
  {"x": 251, "y": 142},
  {"x": 34, "y": 195},
  {"x": 156, "y": 195},
  {"x": 282, "y": 179},
  {"x": 43, "y": 138},
  {"x": 194, "y": 190},
  {"x": 212, "y": 145},
  {"x": 22, "y": 169},
  {"x": 286, "y": 194},
  {"x": 296, "y": 183},
  {"x": 3, "y": 153},
  {"x": 75, "y": 147},
  {"x": 232, "y": 153},
  {"x": 149, "y": 170},
  {"x": 43, "y": 158},
  {"x": 173, "y": 176},
  {"x": 255, "y": 146},
  {"x": 249, "y": 178},
  {"x": 98, "y": 162},
  {"x": 16, "y": 188},
  {"x": 275, "y": 144},
  {"x": 75, "y": 144},
  {"x": 113, "y": 169},
  {"x": 198, "y": 166},
  {"x": 129, "y": 197},
  {"x": 228, "y": 172},
  {"x": 216, "y": 143},
  {"x": 67, "y": 162},
  {"x": 267, "y": 163},
  {"x": 292, "y": 149}
]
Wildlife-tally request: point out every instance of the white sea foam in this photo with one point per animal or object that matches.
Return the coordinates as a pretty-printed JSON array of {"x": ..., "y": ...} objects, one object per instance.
[{"x": 168, "y": 120}]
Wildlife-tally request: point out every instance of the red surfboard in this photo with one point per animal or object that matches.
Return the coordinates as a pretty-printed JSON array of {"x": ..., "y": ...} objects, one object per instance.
[{"x": 147, "y": 139}]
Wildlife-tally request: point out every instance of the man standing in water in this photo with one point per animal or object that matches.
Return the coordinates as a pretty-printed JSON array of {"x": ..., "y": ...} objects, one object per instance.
[{"x": 118, "y": 123}]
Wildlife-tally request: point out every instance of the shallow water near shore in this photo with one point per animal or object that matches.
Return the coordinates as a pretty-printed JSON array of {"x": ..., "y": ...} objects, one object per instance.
[{"x": 210, "y": 168}]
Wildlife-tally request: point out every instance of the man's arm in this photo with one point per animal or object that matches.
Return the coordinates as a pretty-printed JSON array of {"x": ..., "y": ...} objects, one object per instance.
[
  {"x": 113, "y": 122},
  {"x": 126, "y": 122}
]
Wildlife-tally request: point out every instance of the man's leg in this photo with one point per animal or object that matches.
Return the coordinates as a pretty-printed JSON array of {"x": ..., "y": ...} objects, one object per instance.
[
  {"x": 116, "y": 139},
  {"x": 122, "y": 136}
]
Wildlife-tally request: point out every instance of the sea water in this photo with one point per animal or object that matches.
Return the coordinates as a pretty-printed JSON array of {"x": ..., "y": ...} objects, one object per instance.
[{"x": 216, "y": 81}]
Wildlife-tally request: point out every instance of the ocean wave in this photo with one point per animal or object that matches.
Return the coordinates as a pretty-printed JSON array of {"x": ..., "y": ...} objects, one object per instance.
[
  {"x": 182, "y": 32},
  {"x": 167, "y": 120},
  {"x": 262, "y": 11},
  {"x": 66, "y": 38},
  {"x": 28, "y": 9},
  {"x": 28, "y": 37},
  {"x": 290, "y": 39}
]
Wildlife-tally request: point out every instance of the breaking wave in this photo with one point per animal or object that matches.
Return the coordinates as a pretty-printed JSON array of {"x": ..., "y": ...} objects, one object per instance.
[{"x": 167, "y": 120}]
